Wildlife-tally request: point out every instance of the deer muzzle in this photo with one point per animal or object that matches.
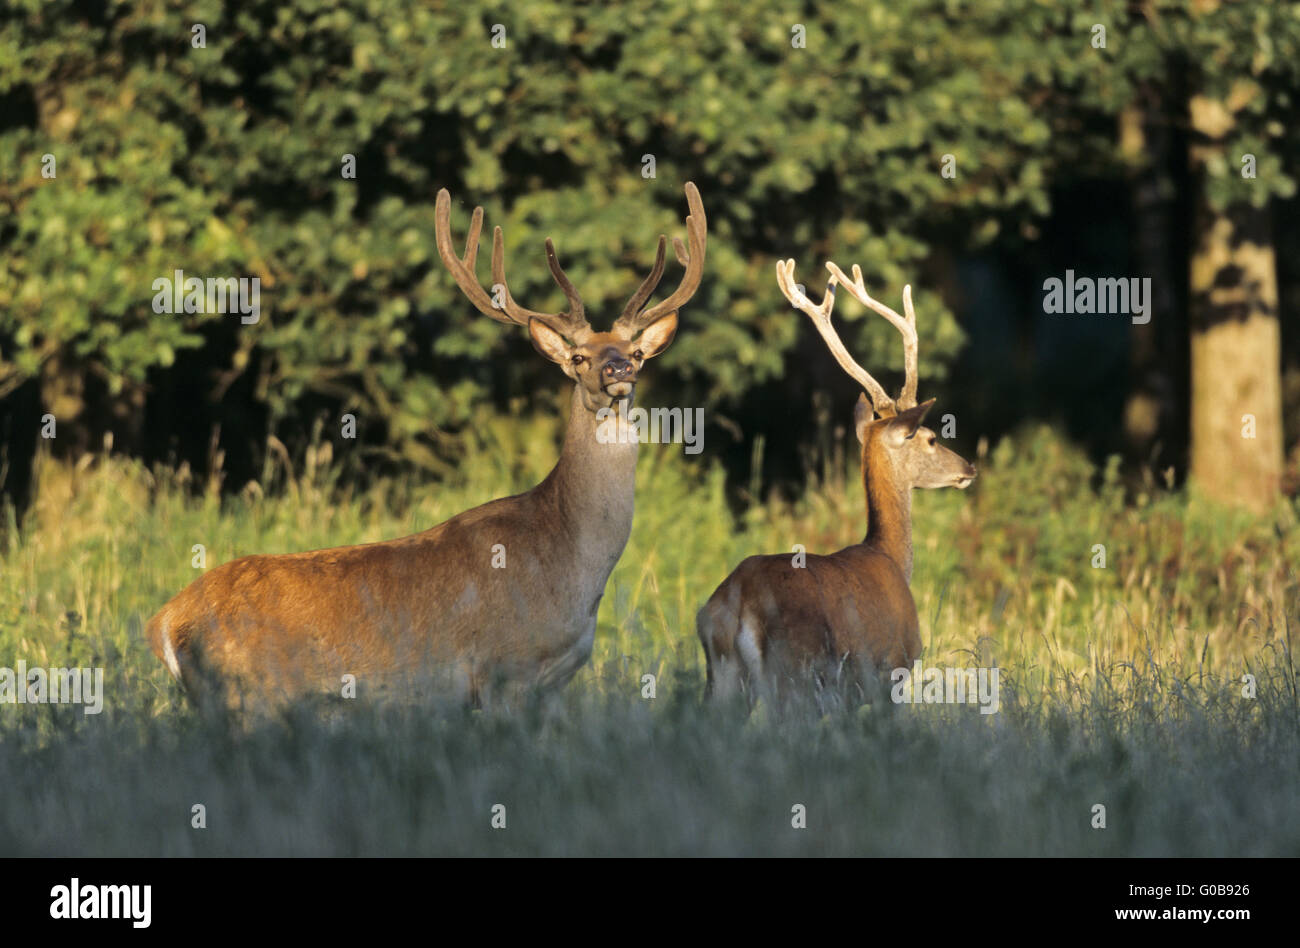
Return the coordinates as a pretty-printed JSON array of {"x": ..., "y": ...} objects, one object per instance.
[{"x": 617, "y": 377}]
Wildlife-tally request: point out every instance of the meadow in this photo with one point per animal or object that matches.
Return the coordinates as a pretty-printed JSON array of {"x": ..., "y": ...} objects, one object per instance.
[{"x": 1120, "y": 686}]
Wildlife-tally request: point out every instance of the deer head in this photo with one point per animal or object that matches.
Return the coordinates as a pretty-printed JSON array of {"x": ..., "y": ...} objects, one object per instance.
[
  {"x": 904, "y": 453},
  {"x": 605, "y": 365}
]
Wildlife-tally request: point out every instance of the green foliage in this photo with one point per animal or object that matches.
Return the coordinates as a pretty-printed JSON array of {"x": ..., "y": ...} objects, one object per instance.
[
  {"x": 226, "y": 160},
  {"x": 1241, "y": 59}
]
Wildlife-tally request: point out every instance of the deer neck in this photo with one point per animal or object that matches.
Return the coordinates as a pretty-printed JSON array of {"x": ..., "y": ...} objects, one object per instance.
[
  {"x": 889, "y": 507},
  {"x": 592, "y": 487}
]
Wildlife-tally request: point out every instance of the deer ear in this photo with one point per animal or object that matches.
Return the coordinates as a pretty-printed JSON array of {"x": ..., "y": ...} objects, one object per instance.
[
  {"x": 657, "y": 336},
  {"x": 549, "y": 342},
  {"x": 904, "y": 425},
  {"x": 862, "y": 417}
]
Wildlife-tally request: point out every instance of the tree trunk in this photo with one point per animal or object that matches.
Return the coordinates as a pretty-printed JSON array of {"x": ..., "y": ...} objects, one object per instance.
[
  {"x": 1236, "y": 343},
  {"x": 1236, "y": 350}
]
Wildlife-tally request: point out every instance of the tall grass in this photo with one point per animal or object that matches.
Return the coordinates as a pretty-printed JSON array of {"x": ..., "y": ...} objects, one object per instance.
[{"x": 1121, "y": 686}]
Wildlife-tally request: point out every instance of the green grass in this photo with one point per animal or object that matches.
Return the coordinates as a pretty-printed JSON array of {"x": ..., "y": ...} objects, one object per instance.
[{"x": 1120, "y": 686}]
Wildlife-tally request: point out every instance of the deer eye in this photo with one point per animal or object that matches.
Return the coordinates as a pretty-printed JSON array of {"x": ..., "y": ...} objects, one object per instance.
[
  {"x": 578, "y": 360},
  {"x": 638, "y": 355}
]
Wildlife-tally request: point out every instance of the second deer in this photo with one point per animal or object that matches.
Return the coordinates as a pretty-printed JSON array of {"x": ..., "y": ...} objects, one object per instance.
[{"x": 831, "y": 624}]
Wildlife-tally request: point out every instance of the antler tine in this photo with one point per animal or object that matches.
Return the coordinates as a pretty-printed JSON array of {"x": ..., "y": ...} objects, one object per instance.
[
  {"x": 679, "y": 248},
  {"x": 906, "y": 326},
  {"x": 649, "y": 283},
  {"x": 572, "y": 323},
  {"x": 821, "y": 318},
  {"x": 518, "y": 314},
  {"x": 577, "y": 314},
  {"x": 911, "y": 348},
  {"x": 697, "y": 228},
  {"x": 462, "y": 268}
]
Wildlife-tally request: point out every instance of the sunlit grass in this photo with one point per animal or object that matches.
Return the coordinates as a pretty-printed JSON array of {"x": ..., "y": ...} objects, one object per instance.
[{"x": 1121, "y": 686}]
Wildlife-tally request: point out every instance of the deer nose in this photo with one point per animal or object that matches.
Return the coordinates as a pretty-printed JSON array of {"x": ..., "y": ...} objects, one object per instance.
[{"x": 618, "y": 370}]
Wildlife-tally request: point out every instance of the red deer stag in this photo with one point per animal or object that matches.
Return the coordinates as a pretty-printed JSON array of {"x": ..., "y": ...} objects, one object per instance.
[
  {"x": 832, "y": 623},
  {"x": 502, "y": 595}
]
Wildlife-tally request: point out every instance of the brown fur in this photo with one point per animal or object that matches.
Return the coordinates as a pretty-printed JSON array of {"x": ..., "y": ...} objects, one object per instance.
[
  {"x": 427, "y": 611},
  {"x": 431, "y": 614},
  {"x": 836, "y": 623}
]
